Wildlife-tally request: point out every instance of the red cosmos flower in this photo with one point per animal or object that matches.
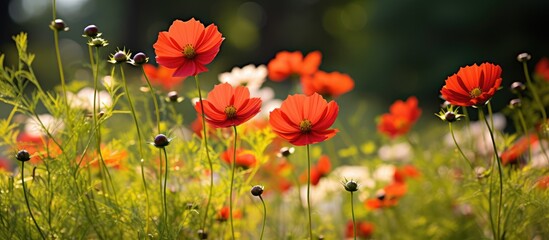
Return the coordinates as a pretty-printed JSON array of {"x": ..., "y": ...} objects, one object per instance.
[
  {"x": 543, "y": 182},
  {"x": 36, "y": 146},
  {"x": 244, "y": 158},
  {"x": 331, "y": 84},
  {"x": 320, "y": 170},
  {"x": 303, "y": 120},
  {"x": 227, "y": 106},
  {"x": 223, "y": 214},
  {"x": 188, "y": 47},
  {"x": 407, "y": 171},
  {"x": 400, "y": 119},
  {"x": 388, "y": 196},
  {"x": 472, "y": 85},
  {"x": 162, "y": 76},
  {"x": 518, "y": 148},
  {"x": 542, "y": 68},
  {"x": 287, "y": 63},
  {"x": 363, "y": 230}
]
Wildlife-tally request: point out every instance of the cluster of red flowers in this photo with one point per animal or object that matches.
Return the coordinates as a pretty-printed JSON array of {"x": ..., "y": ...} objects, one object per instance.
[
  {"x": 244, "y": 158},
  {"x": 391, "y": 194},
  {"x": 286, "y": 64},
  {"x": 400, "y": 119},
  {"x": 363, "y": 229}
]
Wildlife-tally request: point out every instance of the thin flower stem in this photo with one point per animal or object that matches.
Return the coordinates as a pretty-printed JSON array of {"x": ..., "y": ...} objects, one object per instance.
[
  {"x": 27, "y": 199},
  {"x": 60, "y": 66},
  {"x": 500, "y": 171},
  {"x": 534, "y": 92},
  {"x": 165, "y": 185},
  {"x": 134, "y": 115},
  {"x": 155, "y": 101},
  {"x": 233, "y": 166},
  {"x": 309, "y": 193},
  {"x": 523, "y": 125},
  {"x": 264, "y": 217},
  {"x": 353, "y": 214},
  {"x": 459, "y": 148},
  {"x": 205, "y": 137}
]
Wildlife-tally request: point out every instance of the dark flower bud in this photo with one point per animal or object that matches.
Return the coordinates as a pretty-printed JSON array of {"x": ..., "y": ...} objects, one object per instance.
[
  {"x": 23, "y": 156},
  {"x": 380, "y": 194},
  {"x": 517, "y": 87},
  {"x": 257, "y": 190},
  {"x": 285, "y": 151},
  {"x": 515, "y": 103},
  {"x": 58, "y": 25},
  {"x": 351, "y": 186},
  {"x": 174, "y": 97},
  {"x": 202, "y": 234},
  {"x": 450, "y": 117},
  {"x": 140, "y": 59},
  {"x": 160, "y": 141},
  {"x": 91, "y": 31},
  {"x": 119, "y": 57},
  {"x": 524, "y": 57}
]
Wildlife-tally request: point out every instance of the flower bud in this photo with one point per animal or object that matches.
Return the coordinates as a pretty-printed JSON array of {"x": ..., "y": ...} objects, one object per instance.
[
  {"x": 23, "y": 156},
  {"x": 257, "y": 190},
  {"x": 91, "y": 31},
  {"x": 174, "y": 97},
  {"x": 161, "y": 141},
  {"x": 515, "y": 103},
  {"x": 517, "y": 87},
  {"x": 119, "y": 57},
  {"x": 351, "y": 186},
  {"x": 202, "y": 234},
  {"x": 524, "y": 57},
  {"x": 285, "y": 151},
  {"x": 58, "y": 25},
  {"x": 140, "y": 59}
]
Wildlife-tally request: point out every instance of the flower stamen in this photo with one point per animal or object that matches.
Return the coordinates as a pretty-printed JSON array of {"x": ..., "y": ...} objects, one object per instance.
[
  {"x": 188, "y": 51},
  {"x": 305, "y": 125},
  {"x": 230, "y": 111},
  {"x": 475, "y": 92}
]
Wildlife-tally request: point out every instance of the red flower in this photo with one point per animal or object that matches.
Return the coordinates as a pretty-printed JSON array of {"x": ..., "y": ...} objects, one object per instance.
[
  {"x": 320, "y": 170},
  {"x": 162, "y": 76},
  {"x": 400, "y": 119},
  {"x": 188, "y": 47},
  {"x": 303, "y": 120},
  {"x": 543, "y": 182},
  {"x": 407, "y": 171},
  {"x": 363, "y": 230},
  {"x": 244, "y": 158},
  {"x": 518, "y": 148},
  {"x": 331, "y": 84},
  {"x": 287, "y": 63},
  {"x": 38, "y": 147},
  {"x": 227, "y": 106},
  {"x": 542, "y": 68},
  {"x": 224, "y": 213},
  {"x": 472, "y": 85}
]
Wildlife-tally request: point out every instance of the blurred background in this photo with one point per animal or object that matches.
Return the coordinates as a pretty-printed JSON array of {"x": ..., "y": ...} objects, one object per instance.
[{"x": 391, "y": 48}]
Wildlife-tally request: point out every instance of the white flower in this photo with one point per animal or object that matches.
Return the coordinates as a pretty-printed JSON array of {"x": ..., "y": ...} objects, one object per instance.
[
  {"x": 396, "y": 152},
  {"x": 84, "y": 99},
  {"x": 540, "y": 154},
  {"x": 384, "y": 173},
  {"x": 51, "y": 124},
  {"x": 249, "y": 76}
]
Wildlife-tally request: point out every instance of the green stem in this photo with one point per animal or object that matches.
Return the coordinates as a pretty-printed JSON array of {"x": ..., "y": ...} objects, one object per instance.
[
  {"x": 27, "y": 199},
  {"x": 233, "y": 166},
  {"x": 264, "y": 217},
  {"x": 165, "y": 185},
  {"x": 309, "y": 193},
  {"x": 60, "y": 67},
  {"x": 155, "y": 101},
  {"x": 353, "y": 214},
  {"x": 500, "y": 171},
  {"x": 459, "y": 148},
  {"x": 205, "y": 137},
  {"x": 534, "y": 92},
  {"x": 526, "y": 134}
]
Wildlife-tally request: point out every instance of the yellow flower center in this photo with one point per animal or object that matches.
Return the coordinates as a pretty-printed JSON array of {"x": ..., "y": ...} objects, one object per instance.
[
  {"x": 188, "y": 51},
  {"x": 305, "y": 125},
  {"x": 230, "y": 111},
  {"x": 475, "y": 92}
]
